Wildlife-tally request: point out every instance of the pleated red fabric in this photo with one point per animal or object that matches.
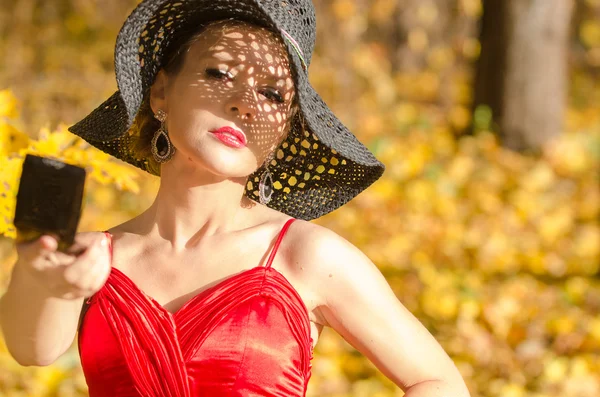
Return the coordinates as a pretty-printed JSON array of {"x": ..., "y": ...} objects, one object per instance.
[{"x": 248, "y": 335}]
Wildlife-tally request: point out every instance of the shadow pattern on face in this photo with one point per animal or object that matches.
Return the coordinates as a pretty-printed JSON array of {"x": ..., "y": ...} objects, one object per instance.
[{"x": 240, "y": 73}]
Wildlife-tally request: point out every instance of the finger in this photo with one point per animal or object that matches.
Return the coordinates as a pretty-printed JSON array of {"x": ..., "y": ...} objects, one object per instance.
[
  {"x": 48, "y": 242},
  {"x": 48, "y": 250},
  {"x": 93, "y": 280},
  {"x": 85, "y": 261},
  {"x": 32, "y": 250},
  {"x": 105, "y": 268},
  {"x": 100, "y": 266},
  {"x": 58, "y": 258},
  {"x": 81, "y": 243},
  {"x": 76, "y": 249}
]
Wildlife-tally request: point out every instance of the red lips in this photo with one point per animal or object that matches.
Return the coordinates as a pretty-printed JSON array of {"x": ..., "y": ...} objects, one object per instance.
[{"x": 237, "y": 134}]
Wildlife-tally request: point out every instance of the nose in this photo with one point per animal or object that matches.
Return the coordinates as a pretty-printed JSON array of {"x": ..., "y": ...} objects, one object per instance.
[{"x": 243, "y": 104}]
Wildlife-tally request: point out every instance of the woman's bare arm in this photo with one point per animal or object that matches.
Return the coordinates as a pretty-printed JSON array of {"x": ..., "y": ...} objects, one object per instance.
[
  {"x": 37, "y": 328},
  {"x": 39, "y": 311},
  {"x": 360, "y": 305}
]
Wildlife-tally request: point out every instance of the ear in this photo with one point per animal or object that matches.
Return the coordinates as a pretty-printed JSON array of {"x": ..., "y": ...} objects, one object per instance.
[{"x": 158, "y": 92}]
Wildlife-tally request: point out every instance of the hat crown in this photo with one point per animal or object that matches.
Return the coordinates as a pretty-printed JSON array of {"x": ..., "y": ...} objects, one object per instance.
[{"x": 153, "y": 25}]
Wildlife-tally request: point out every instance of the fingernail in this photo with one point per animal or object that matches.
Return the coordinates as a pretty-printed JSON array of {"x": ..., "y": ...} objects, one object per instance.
[{"x": 104, "y": 241}]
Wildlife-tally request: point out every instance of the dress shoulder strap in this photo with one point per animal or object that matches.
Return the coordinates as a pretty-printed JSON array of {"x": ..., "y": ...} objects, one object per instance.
[
  {"x": 279, "y": 238},
  {"x": 110, "y": 246}
]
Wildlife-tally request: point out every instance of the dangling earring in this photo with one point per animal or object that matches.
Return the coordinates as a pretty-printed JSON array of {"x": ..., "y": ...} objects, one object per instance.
[
  {"x": 265, "y": 186},
  {"x": 162, "y": 149}
]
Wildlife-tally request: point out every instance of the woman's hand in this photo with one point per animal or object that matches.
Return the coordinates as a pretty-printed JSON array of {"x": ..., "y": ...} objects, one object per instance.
[{"x": 80, "y": 272}]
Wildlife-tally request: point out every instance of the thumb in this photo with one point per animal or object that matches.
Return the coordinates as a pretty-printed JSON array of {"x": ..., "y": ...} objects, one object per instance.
[
  {"x": 47, "y": 242},
  {"x": 32, "y": 249}
]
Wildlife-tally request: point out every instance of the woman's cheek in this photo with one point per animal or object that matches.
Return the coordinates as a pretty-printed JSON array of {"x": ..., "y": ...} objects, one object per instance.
[{"x": 182, "y": 131}]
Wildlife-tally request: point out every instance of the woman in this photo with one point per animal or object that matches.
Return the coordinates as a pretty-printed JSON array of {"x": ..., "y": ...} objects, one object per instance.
[{"x": 222, "y": 286}]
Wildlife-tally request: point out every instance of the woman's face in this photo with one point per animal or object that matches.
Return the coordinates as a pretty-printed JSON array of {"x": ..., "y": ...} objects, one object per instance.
[{"x": 234, "y": 75}]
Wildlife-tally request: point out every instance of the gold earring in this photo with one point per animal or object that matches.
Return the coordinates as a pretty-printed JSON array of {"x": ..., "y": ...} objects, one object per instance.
[{"x": 162, "y": 148}]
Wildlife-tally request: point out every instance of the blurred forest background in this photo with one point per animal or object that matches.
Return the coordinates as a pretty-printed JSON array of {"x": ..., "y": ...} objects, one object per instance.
[{"x": 485, "y": 224}]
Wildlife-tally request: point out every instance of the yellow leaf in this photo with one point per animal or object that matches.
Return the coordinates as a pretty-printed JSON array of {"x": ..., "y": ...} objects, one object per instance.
[
  {"x": 418, "y": 40},
  {"x": 11, "y": 139},
  {"x": 540, "y": 177},
  {"x": 594, "y": 328},
  {"x": 8, "y": 104},
  {"x": 404, "y": 112},
  {"x": 472, "y": 8},
  {"x": 513, "y": 390},
  {"x": 440, "y": 58},
  {"x": 440, "y": 304},
  {"x": 344, "y": 9},
  {"x": 460, "y": 117},
  {"x": 383, "y": 10},
  {"x": 587, "y": 242},
  {"x": 427, "y": 13},
  {"x": 590, "y": 33},
  {"x": 471, "y": 48},
  {"x": 555, "y": 224},
  {"x": 11, "y": 172},
  {"x": 556, "y": 369}
]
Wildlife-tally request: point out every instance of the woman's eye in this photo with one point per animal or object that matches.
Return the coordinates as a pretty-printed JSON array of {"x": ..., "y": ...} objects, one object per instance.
[
  {"x": 217, "y": 73},
  {"x": 273, "y": 95}
]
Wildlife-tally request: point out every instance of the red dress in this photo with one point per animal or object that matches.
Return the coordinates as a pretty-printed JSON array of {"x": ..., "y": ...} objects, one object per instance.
[{"x": 248, "y": 335}]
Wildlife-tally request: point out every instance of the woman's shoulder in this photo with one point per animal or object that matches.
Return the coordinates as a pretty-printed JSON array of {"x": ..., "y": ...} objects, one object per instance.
[
  {"x": 323, "y": 260},
  {"x": 314, "y": 251},
  {"x": 312, "y": 239}
]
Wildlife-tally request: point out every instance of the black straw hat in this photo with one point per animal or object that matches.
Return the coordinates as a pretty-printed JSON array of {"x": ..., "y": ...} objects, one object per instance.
[{"x": 319, "y": 167}]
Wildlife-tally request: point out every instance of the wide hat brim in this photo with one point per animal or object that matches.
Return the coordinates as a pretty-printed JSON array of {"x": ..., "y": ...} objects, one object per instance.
[{"x": 319, "y": 167}]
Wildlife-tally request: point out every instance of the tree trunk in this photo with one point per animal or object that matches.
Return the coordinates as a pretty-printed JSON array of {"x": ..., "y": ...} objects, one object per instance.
[{"x": 522, "y": 71}]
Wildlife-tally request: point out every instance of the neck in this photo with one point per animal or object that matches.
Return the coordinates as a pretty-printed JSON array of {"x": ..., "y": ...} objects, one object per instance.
[{"x": 193, "y": 203}]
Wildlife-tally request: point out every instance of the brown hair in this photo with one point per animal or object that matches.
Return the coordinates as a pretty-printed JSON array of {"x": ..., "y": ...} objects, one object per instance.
[{"x": 145, "y": 125}]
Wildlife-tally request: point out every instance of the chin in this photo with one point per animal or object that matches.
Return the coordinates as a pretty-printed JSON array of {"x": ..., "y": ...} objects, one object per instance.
[{"x": 222, "y": 163}]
